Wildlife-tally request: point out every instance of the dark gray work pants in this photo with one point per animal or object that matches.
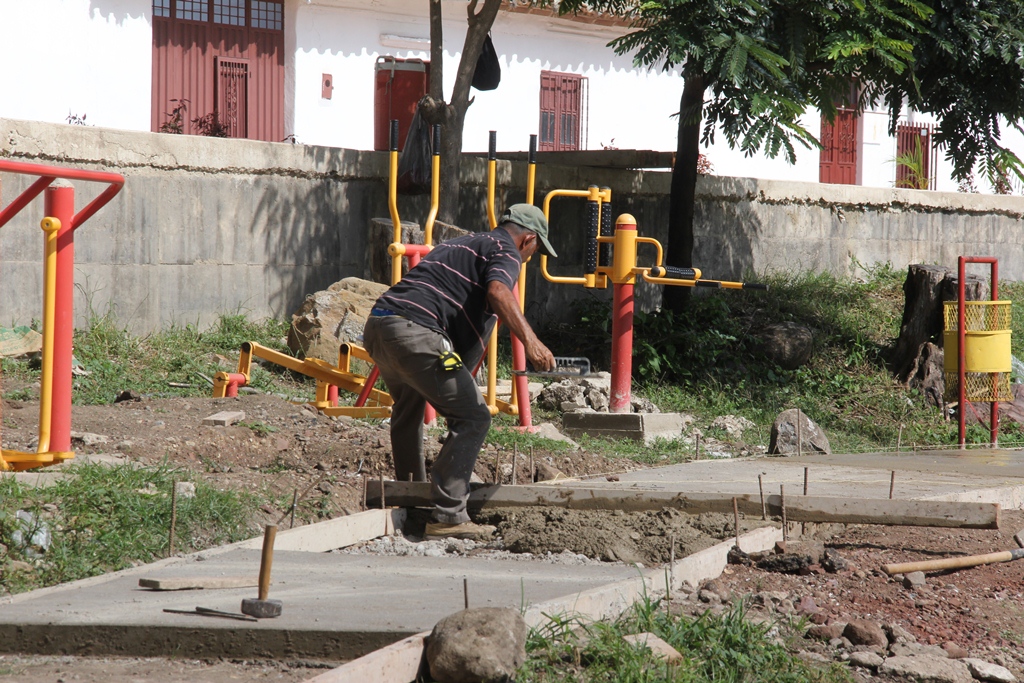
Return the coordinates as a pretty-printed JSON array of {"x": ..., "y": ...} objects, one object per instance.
[{"x": 408, "y": 356}]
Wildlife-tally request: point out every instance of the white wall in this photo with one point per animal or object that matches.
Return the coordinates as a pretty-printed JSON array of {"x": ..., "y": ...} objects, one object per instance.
[{"x": 89, "y": 58}]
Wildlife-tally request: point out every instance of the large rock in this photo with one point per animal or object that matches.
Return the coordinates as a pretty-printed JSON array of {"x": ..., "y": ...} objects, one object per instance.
[
  {"x": 332, "y": 316},
  {"x": 865, "y": 632},
  {"x": 788, "y": 344},
  {"x": 784, "y": 436},
  {"x": 927, "y": 669},
  {"x": 987, "y": 671},
  {"x": 474, "y": 645}
]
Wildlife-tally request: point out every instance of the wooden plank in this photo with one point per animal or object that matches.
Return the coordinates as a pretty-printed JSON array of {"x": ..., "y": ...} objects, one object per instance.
[
  {"x": 398, "y": 663},
  {"x": 339, "y": 532},
  {"x": 198, "y": 583},
  {"x": 817, "y": 509},
  {"x": 224, "y": 418}
]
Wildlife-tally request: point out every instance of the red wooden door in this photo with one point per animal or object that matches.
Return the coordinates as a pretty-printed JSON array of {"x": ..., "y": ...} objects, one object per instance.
[
  {"x": 838, "y": 157},
  {"x": 191, "y": 37}
]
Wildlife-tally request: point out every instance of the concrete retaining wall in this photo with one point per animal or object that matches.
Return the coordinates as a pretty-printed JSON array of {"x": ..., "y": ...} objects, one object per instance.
[{"x": 207, "y": 226}]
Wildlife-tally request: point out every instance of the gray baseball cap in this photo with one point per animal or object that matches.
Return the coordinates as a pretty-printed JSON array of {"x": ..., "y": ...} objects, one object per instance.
[{"x": 531, "y": 218}]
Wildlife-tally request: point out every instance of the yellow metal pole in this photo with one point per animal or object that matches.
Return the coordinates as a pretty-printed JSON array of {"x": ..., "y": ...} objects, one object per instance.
[
  {"x": 531, "y": 180},
  {"x": 492, "y": 344},
  {"x": 435, "y": 188},
  {"x": 396, "y": 263},
  {"x": 50, "y": 227}
]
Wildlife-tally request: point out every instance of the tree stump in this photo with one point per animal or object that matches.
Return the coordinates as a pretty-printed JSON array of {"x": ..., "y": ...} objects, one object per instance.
[{"x": 925, "y": 290}]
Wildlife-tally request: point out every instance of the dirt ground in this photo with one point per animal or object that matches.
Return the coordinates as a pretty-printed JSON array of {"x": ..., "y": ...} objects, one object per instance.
[{"x": 288, "y": 448}]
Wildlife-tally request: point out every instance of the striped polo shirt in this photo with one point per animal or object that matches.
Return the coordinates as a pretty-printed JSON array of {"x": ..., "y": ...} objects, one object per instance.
[{"x": 447, "y": 290}]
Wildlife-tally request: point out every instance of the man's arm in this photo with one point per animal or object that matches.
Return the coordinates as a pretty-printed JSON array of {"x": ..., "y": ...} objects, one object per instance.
[{"x": 502, "y": 302}]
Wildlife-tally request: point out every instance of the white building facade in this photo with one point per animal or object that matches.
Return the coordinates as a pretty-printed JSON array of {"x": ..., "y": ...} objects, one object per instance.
[{"x": 307, "y": 71}]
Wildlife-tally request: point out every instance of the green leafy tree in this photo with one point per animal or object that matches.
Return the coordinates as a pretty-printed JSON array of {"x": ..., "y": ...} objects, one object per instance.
[{"x": 752, "y": 68}]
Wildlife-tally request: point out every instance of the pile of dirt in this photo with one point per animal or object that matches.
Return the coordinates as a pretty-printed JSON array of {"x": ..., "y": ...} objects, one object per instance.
[
  {"x": 279, "y": 448},
  {"x": 644, "y": 537}
]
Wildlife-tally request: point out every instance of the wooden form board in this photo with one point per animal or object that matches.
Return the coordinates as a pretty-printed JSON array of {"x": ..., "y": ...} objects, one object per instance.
[
  {"x": 197, "y": 583},
  {"x": 401, "y": 662},
  {"x": 798, "y": 508}
]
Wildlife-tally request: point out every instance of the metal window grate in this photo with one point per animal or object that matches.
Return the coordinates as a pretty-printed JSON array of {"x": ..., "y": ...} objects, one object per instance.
[
  {"x": 268, "y": 15},
  {"x": 230, "y": 12}
]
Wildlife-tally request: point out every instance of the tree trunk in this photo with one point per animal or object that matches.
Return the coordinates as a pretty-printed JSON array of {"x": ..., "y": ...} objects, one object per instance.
[
  {"x": 679, "y": 247},
  {"x": 452, "y": 116},
  {"x": 436, "y": 51},
  {"x": 924, "y": 291}
]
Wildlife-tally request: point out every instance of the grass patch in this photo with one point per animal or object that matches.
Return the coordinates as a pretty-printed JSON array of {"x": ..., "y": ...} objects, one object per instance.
[
  {"x": 118, "y": 361},
  {"x": 723, "y": 649},
  {"x": 101, "y": 519},
  {"x": 707, "y": 361}
]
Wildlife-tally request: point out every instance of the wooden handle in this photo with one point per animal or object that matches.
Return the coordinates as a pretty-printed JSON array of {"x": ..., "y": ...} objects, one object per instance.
[
  {"x": 953, "y": 562},
  {"x": 266, "y": 560}
]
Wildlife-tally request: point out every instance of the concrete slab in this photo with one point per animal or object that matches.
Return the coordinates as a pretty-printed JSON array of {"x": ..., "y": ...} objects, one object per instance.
[
  {"x": 336, "y": 606},
  {"x": 646, "y": 427},
  {"x": 989, "y": 475}
]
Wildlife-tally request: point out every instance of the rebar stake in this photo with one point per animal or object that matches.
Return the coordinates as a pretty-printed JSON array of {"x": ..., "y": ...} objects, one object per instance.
[
  {"x": 782, "y": 504},
  {"x": 533, "y": 472},
  {"x": 465, "y": 591},
  {"x": 760, "y": 489},
  {"x": 736, "y": 520},
  {"x": 892, "y": 483},
  {"x": 515, "y": 461},
  {"x": 295, "y": 500},
  {"x": 382, "y": 491},
  {"x": 174, "y": 518}
]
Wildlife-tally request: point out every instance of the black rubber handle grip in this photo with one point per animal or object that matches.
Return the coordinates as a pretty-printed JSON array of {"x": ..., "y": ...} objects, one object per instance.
[
  {"x": 492, "y": 146},
  {"x": 533, "y": 149},
  {"x": 673, "y": 272},
  {"x": 713, "y": 284},
  {"x": 437, "y": 139},
  {"x": 593, "y": 225},
  {"x": 604, "y": 251},
  {"x": 394, "y": 135},
  {"x": 755, "y": 285}
]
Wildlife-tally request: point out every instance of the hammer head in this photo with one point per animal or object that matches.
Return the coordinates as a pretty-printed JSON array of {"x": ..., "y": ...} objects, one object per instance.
[{"x": 261, "y": 609}]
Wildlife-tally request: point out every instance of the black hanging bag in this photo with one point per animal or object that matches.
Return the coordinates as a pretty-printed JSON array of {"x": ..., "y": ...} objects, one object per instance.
[{"x": 488, "y": 71}]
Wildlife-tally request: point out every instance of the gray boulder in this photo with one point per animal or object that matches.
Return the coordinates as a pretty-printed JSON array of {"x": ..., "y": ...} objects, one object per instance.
[
  {"x": 788, "y": 344},
  {"x": 927, "y": 669},
  {"x": 474, "y": 645},
  {"x": 784, "y": 437},
  {"x": 332, "y": 316}
]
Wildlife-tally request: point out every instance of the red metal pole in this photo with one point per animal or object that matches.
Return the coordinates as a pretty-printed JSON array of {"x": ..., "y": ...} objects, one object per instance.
[
  {"x": 522, "y": 382},
  {"x": 961, "y": 360},
  {"x": 994, "y": 420},
  {"x": 60, "y": 203},
  {"x": 622, "y": 348}
]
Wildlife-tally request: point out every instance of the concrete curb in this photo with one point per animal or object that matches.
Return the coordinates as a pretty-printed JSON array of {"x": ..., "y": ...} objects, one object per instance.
[{"x": 401, "y": 662}]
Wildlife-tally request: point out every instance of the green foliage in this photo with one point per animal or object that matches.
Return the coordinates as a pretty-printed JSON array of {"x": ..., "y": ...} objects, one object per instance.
[
  {"x": 118, "y": 361},
  {"x": 913, "y": 162},
  {"x": 724, "y": 649},
  {"x": 765, "y": 62},
  {"x": 102, "y": 519}
]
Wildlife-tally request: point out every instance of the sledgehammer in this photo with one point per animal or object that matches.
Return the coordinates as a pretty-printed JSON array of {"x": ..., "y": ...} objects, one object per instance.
[
  {"x": 261, "y": 607},
  {"x": 954, "y": 562}
]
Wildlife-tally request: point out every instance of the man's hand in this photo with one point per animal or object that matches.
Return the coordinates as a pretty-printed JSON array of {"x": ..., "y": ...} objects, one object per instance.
[{"x": 502, "y": 302}]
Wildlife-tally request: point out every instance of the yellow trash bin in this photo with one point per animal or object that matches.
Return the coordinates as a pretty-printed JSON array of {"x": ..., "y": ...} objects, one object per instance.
[{"x": 986, "y": 349}]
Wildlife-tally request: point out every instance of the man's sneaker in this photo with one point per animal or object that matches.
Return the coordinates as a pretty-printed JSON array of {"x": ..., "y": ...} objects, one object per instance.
[{"x": 466, "y": 530}]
